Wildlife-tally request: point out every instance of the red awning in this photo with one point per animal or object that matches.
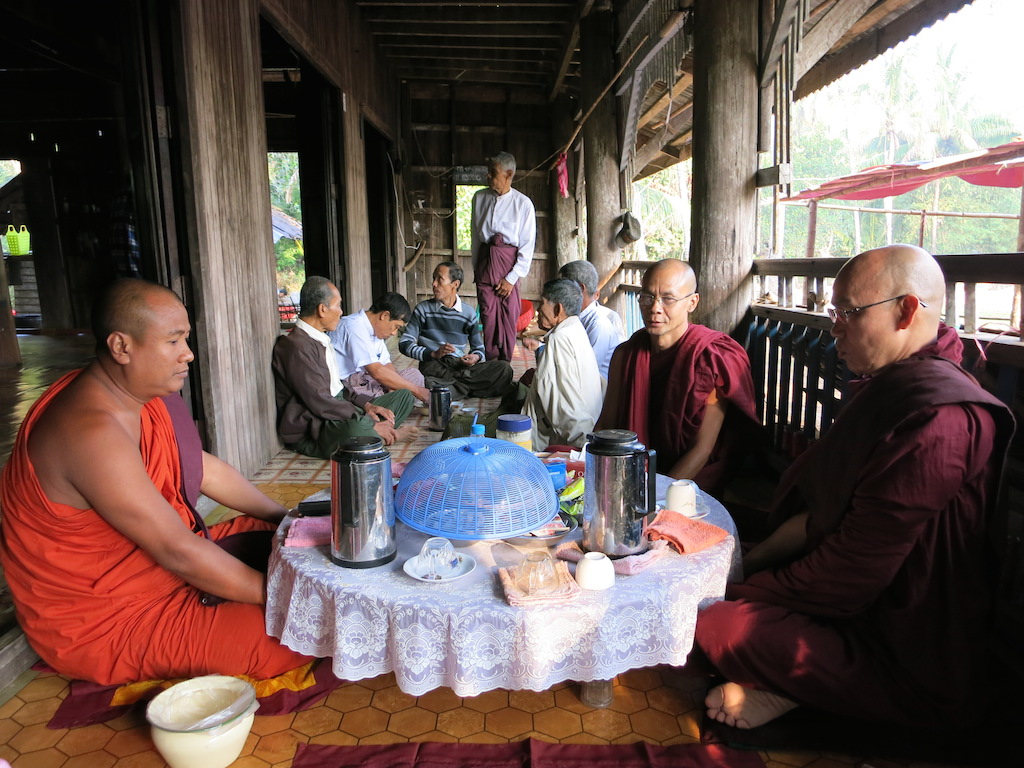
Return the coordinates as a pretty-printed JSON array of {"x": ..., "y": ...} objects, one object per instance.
[{"x": 1001, "y": 166}]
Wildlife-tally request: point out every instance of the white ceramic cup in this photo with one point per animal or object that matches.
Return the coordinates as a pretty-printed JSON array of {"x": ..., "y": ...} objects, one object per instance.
[
  {"x": 681, "y": 497},
  {"x": 595, "y": 571}
]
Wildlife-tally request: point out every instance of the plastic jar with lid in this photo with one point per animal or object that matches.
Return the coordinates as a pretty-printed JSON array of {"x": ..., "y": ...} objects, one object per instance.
[{"x": 516, "y": 428}]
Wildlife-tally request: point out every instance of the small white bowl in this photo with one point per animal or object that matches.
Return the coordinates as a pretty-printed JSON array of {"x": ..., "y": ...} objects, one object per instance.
[{"x": 595, "y": 571}]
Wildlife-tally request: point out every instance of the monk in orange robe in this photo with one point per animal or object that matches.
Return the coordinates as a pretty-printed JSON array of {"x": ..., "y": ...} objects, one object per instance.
[{"x": 113, "y": 573}]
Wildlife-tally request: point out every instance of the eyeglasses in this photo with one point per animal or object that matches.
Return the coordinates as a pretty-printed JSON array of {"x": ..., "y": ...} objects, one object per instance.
[
  {"x": 845, "y": 314},
  {"x": 667, "y": 302}
]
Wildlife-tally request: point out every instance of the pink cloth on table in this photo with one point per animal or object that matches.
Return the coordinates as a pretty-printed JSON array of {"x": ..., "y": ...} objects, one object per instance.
[
  {"x": 624, "y": 566},
  {"x": 683, "y": 533},
  {"x": 566, "y": 590},
  {"x": 309, "y": 532}
]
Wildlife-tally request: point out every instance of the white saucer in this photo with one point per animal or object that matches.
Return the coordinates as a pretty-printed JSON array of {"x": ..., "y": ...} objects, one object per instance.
[
  {"x": 466, "y": 565},
  {"x": 702, "y": 509}
]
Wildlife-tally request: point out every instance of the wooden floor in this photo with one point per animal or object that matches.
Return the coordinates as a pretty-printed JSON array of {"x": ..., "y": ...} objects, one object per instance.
[{"x": 660, "y": 705}]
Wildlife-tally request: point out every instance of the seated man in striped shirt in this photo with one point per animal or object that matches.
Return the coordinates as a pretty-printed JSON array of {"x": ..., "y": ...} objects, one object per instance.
[{"x": 444, "y": 336}]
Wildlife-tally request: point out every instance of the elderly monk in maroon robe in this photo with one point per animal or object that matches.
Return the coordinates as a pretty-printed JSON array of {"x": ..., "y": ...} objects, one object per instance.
[
  {"x": 684, "y": 389},
  {"x": 872, "y": 600}
]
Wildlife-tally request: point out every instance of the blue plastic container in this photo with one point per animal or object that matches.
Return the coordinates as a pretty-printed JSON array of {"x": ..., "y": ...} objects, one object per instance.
[{"x": 471, "y": 488}]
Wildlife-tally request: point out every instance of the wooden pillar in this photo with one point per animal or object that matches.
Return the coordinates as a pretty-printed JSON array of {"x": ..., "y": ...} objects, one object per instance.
[
  {"x": 725, "y": 102},
  {"x": 564, "y": 208},
  {"x": 600, "y": 148}
]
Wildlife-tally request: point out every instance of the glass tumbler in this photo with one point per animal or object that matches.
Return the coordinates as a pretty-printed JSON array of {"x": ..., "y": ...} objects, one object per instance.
[
  {"x": 438, "y": 559},
  {"x": 537, "y": 574}
]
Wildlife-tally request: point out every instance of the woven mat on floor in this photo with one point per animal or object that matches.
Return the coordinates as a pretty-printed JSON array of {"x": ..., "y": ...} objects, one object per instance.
[{"x": 523, "y": 754}]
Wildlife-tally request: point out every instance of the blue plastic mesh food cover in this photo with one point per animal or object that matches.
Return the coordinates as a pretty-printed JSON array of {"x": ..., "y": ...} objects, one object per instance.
[{"x": 475, "y": 488}]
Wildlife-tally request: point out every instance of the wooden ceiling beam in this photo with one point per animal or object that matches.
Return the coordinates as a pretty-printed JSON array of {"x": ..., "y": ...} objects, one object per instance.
[
  {"x": 506, "y": 32},
  {"x": 492, "y": 16},
  {"x": 827, "y": 32},
  {"x": 572, "y": 39},
  {"x": 685, "y": 81}
]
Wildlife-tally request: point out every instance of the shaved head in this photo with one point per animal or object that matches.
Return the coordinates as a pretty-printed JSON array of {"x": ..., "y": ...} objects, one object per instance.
[
  {"x": 896, "y": 294},
  {"x": 672, "y": 270},
  {"x": 900, "y": 269},
  {"x": 126, "y": 306}
]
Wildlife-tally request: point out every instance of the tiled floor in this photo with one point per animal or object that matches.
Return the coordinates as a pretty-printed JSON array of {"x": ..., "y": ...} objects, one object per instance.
[{"x": 659, "y": 705}]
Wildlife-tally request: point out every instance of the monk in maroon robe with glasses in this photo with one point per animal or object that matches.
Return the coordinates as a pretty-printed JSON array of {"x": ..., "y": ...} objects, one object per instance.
[
  {"x": 873, "y": 598},
  {"x": 685, "y": 389}
]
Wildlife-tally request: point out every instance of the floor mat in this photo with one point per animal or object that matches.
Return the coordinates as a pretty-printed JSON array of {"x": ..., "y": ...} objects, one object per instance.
[
  {"x": 90, "y": 703},
  {"x": 523, "y": 754}
]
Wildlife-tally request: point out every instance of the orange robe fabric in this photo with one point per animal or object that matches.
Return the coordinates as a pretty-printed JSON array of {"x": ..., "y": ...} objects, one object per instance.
[{"x": 96, "y": 606}]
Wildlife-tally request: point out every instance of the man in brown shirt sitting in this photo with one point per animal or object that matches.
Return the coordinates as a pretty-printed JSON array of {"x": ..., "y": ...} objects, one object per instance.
[{"x": 314, "y": 412}]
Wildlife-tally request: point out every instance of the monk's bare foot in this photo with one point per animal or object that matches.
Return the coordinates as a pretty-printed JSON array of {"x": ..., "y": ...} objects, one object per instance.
[
  {"x": 741, "y": 707},
  {"x": 407, "y": 432}
]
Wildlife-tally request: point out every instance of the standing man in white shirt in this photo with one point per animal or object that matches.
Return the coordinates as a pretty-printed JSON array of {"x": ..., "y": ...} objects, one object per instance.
[
  {"x": 603, "y": 325},
  {"x": 504, "y": 232}
]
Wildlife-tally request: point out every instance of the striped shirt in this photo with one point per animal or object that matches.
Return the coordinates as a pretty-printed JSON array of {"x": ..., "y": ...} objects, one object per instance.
[{"x": 433, "y": 324}]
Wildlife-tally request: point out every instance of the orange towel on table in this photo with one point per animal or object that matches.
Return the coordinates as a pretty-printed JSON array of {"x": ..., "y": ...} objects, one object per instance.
[{"x": 683, "y": 533}]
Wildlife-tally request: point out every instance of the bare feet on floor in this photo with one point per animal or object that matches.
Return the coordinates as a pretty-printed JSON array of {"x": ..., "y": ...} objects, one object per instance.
[
  {"x": 741, "y": 707},
  {"x": 406, "y": 432}
]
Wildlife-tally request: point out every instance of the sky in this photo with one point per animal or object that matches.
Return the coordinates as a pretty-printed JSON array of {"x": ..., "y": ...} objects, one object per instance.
[{"x": 985, "y": 39}]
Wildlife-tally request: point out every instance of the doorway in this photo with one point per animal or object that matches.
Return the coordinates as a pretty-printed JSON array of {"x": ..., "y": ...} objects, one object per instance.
[{"x": 304, "y": 145}]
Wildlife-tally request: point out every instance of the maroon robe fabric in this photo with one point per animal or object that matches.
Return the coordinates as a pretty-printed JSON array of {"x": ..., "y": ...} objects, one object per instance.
[
  {"x": 663, "y": 396},
  {"x": 885, "y": 615},
  {"x": 498, "y": 314}
]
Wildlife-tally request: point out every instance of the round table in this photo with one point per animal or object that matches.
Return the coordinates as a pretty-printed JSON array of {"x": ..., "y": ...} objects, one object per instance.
[{"x": 464, "y": 635}]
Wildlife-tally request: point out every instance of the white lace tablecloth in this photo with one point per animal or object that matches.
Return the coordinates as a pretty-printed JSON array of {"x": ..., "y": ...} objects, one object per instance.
[{"x": 464, "y": 636}]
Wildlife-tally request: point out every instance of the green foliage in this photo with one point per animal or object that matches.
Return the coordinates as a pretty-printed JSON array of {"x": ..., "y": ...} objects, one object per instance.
[
  {"x": 662, "y": 203},
  {"x": 464, "y": 215},
  {"x": 291, "y": 264},
  {"x": 283, "y": 173},
  {"x": 8, "y": 170}
]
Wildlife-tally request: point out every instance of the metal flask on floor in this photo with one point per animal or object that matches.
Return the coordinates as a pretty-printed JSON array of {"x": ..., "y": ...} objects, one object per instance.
[
  {"x": 362, "y": 504},
  {"x": 440, "y": 408},
  {"x": 620, "y": 488}
]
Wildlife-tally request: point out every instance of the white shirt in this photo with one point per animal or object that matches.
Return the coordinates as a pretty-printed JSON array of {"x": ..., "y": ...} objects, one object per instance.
[
  {"x": 357, "y": 345},
  {"x": 332, "y": 362},
  {"x": 567, "y": 393},
  {"x": 510, "y": 215},
  {"x": 604, "y": 329}
]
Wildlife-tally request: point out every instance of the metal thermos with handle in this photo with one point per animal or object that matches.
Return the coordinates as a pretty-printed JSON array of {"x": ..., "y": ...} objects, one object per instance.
[
  {"x": 362, "y": 504},
  {"x": 440, "y": 408},
  {"x": 620, "y": 489}
]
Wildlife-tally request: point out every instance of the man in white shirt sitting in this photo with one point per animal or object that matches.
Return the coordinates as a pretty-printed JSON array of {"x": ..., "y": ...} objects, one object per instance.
[
  {"x": 603, "y": 325},
  {"x": 567, "y": 394},
  {"x": 363, "y": 358},
  {"x": 314, "y": 412}
]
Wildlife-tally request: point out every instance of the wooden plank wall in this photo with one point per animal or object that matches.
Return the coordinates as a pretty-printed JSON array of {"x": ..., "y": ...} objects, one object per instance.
[
  {"x": 233, "y": 261},
  {"x": 445, "y": 126}
]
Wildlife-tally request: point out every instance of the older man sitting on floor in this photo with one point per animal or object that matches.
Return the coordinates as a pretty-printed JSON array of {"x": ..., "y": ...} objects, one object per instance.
[{"x": 567, "y": 392}]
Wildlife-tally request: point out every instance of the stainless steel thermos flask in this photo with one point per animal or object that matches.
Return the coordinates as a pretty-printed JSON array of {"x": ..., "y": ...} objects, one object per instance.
[
  {"x": 362, "y": 504},
  {"x": 440, "y": 408}
]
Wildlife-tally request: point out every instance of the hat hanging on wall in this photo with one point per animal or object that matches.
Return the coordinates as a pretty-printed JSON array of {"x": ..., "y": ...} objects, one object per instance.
[{"x": 630, "y": 231}]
